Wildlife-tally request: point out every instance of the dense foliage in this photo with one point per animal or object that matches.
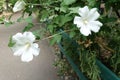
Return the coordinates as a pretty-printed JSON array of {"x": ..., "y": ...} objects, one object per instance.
[{"x": 59, "y": 15}]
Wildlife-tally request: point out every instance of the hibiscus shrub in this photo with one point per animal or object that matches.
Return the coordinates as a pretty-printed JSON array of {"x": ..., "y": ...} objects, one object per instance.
[{"x": 93, "y": 24}]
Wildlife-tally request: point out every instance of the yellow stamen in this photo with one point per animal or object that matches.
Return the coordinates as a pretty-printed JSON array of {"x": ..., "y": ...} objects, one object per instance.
[
  {"x": 27, "y": 45},
  {"x": 85, "y": 21}
]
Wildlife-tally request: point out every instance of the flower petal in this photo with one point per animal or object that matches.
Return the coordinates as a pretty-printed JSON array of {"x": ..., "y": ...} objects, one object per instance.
[
  {"x": 95, "y": 26},
  {"x": 85, "y": 30},
  {"x": 18, "y": 50},
  {"x": 97, "y": 23},
  {"x": 83, "y": 12},
  {"x": 26, "y": 57},
  {"x": 93, "y": 14},
  {"x": 78, "y": 21},
  {"x": 34, "y": 49},
  {"x": 29, "y": 36},
  {"x": 17, "y": 37}
]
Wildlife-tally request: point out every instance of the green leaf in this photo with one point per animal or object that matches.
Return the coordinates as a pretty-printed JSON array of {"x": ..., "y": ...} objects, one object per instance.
[
  {"x": 51, "y": 28},
  {"x": 72, "y": 34},
  {"x": 20, "y": 19},
  {"x": 74, "y": 10},
  {"x": 7, "y": 24},
  {"x": 57, "y": 8},
  {"x": 29, "y": 19},
  {"x": 55, "y": 39},
  {"x": 37, "y": 34},
  {"x": 58, "y": 38},
  {"x": 1, "y": 20},
  {"x": 65, "y": 19},
  {"x": 68, "y": 2},
  {"x": 45, "y": 14},
  {"x": 63, "y": 8},
  {"x": 62, "y": 19},
  {"x": 91, "y": 3},
  {"x": 11, "y": 43},
  {"x": 52, "y": 41},
  {"x": 28, "y": 27}
]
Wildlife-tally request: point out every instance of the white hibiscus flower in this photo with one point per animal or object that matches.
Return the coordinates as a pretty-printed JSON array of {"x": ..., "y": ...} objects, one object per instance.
[
  {"x": 87, "y": 21},
  {"x": 19, "y": 5},
  {"x": 25, "y": 46}
]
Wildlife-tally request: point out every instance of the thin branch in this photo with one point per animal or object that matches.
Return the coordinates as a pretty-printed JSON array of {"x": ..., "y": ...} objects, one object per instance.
[{"x": 56, "y": 34}]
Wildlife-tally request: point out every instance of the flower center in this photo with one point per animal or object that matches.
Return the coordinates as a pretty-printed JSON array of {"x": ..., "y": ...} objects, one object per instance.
[
  {"x": 85, "y": 21},
  {"x": 27, "y": 45}
]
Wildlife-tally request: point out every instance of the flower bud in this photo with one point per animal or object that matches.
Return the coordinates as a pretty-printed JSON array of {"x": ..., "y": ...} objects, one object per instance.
[{"x": 19, "y": 5}]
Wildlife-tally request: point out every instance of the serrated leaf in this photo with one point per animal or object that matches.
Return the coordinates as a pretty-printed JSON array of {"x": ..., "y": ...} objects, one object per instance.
[
  {"x": 65, "y": 19},
  {"x": 61, "y": 20}
]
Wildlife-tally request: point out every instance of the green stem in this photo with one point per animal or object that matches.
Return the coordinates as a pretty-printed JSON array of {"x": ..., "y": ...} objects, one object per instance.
[{"x": 42, "y": 5}]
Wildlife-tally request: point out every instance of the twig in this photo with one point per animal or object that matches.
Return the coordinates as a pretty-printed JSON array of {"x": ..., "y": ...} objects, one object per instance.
[{"x": 56, "y": 34}]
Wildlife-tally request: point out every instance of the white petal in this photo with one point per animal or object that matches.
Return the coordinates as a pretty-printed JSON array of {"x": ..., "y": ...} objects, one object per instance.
[
  {"x": 78, "y": 21},
  {"x": 18, "y": 50},
  {"x": 85, "y": 30},
  {"x": 34, "y": 49},
  {"x": 95, "y": 26},
  {"x": 19, "y": 39},
  {"x": 16, "y": 9},
  {"x": 97, "y": 23},
  {"x": 17, "y": 36},
  {"x": 93, "y": 14},
  {"x": 35, "y": 45},
  {"x": 83, "y": 12},
  {"x": 29, "y": 36},
  {"x": 26, "y": 57}
]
